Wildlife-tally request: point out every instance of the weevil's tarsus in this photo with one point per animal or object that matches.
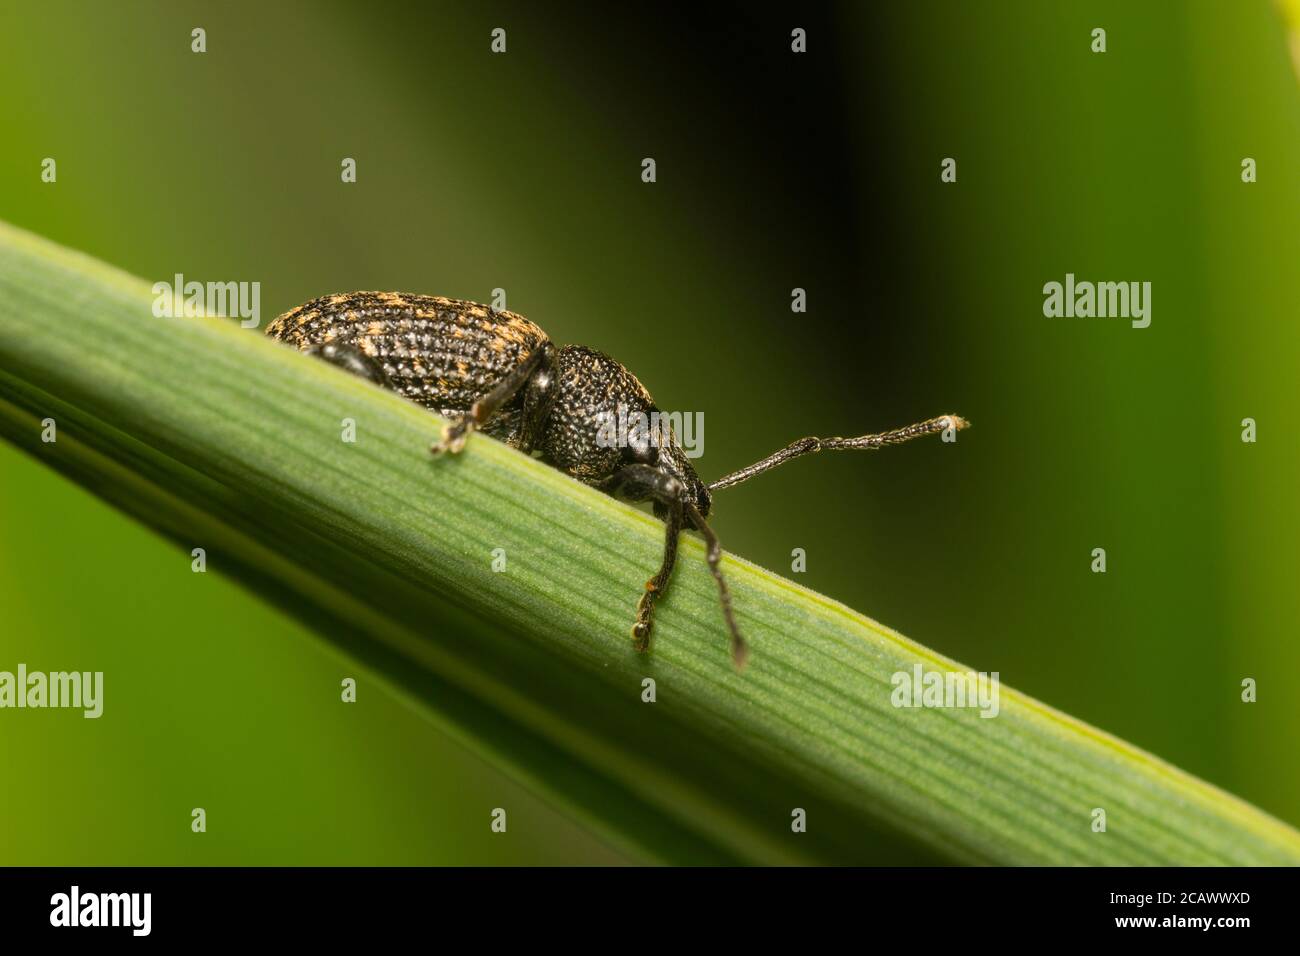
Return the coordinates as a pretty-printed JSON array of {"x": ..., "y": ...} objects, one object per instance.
[{"x": 807, "y": 446}]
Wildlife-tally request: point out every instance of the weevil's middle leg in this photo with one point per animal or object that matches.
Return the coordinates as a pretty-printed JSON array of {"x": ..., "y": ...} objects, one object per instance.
[
  {"x": 351, "y": 359},
  {"x": 454, "y": 435}
]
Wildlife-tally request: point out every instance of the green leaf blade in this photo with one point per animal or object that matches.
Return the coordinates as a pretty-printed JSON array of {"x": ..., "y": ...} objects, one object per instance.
[{"x": 199, "y": 427}]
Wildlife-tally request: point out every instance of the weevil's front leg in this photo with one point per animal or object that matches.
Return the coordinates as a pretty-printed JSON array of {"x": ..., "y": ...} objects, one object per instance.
[
  {"x": 739, "y": 649},
  {"x": 351, "y": 359},
  {"x": 657, "y": 585},
  {"x": 454, "y": 435},
  {"x": 639, "y": 483}
]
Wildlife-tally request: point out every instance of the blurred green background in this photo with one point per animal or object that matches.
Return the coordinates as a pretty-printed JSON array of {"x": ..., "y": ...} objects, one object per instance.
[{"x": 821, "y": 171}]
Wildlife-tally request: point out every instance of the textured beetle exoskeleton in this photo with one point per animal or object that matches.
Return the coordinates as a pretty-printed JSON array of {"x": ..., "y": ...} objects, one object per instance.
[{"x": 497, "y": 371}]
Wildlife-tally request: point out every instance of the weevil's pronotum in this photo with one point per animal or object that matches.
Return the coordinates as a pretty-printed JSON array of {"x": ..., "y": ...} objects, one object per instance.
[{"x": 498, "y": 372}]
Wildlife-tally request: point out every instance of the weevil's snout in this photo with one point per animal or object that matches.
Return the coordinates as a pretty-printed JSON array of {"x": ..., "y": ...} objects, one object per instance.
[
  {"x": 674, "y": 461},
  {"x": 692, "y": 492}
]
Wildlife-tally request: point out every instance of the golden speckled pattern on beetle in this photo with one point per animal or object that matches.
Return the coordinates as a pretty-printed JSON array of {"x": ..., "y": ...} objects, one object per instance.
[
  {"x": 498, "y": 372},
  {"x": 441, "y": 353}
]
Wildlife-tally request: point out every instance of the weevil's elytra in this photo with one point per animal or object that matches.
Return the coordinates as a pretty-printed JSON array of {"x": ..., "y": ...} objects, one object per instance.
[
  {"x": 498, "y": 372},
  {"x": 441, "y": 353}
]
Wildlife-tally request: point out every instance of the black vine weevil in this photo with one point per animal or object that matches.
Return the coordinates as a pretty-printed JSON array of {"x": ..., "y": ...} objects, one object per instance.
[{"x": 498, "y": 372}]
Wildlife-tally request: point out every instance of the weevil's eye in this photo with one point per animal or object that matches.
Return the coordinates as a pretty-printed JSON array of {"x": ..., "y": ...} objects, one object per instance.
[
  {"x": 640, "y": 450},
  {"x": 703, "y": 500},
  {"x": 646, "y": 455}
]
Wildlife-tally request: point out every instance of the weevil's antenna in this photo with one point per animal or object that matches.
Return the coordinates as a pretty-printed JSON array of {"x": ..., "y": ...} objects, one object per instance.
[
  {"x": 739, "y": 649},
  {"x": 806, "y": 446}
]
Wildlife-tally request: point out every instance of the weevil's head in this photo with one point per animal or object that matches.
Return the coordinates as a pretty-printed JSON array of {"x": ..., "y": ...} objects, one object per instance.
[
  {"x": 674, "y": 461},
  {"x": 601, "y": 419}
]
